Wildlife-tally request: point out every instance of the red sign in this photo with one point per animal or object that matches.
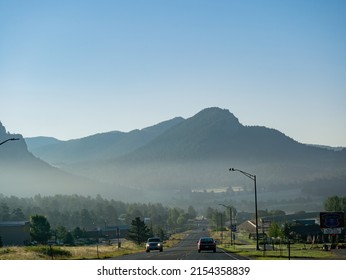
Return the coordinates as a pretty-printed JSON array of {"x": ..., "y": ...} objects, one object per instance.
[{"x": 332, "y": 219}]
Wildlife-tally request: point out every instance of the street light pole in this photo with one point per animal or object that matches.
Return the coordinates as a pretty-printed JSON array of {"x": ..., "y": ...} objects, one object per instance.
[
  {"x": 230, "y": 220},
  {"x": 253, "y": 178},
  {"x": 11, "y": 139},
  {"x": 221, "y": 227}
]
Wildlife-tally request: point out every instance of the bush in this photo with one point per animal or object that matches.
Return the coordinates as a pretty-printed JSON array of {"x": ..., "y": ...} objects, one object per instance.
[{"x": 48, "y": 251}]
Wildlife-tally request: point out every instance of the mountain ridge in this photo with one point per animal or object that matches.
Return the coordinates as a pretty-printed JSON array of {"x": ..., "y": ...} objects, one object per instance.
[
  {"x": 218, "y": 133},
  {"x": 100, "y": 145},
  {"x": 212, "y": 132},
  {"x": 196, "y": 153}
]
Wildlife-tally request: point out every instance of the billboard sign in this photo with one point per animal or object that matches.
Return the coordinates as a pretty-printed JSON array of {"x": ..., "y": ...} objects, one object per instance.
[{"x": 331, "y": 220}]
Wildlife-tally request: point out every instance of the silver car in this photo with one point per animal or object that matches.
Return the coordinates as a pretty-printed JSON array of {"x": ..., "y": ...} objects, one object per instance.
[{"x": 154, "y": 243}]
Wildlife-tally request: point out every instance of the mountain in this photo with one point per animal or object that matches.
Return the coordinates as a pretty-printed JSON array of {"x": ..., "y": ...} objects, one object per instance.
[
  {"x": 96, "y": 147},
  {"x": 212, "y": 133},
  {"x": 37, "y": 143},
  {"x": 195, "y": 153},
  {"x": 165, "y": 162},
  {"x": 217, "y": 134},
  {"x": 23, "y": 174}
]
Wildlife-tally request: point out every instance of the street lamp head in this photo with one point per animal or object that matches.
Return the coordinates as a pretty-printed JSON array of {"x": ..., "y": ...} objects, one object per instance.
[
  {"x": 10, "y": 139},
  {"x": 232, "y": 169}
]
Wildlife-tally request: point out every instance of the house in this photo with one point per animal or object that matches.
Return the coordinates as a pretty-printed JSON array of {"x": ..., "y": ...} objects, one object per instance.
[
  {"x": 15, "y": 233},
  {"x": 247, "y": 226},
  {"x": 113, "y": 232},
  {"x": 306, "y": 230},
  {"x": 109, "y": 232}
]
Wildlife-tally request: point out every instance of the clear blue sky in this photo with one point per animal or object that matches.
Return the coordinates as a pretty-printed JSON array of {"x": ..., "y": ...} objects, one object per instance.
[{"x": 69, "y": 69}]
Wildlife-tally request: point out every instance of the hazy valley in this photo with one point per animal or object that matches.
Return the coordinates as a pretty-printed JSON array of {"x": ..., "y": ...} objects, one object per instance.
[{"x": 178, "y": 162}]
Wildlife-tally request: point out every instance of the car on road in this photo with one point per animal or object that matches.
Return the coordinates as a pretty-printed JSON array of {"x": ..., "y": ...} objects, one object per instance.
[
  {"x": 206, "y": 244},
  {"x": 154, "y": 243}
]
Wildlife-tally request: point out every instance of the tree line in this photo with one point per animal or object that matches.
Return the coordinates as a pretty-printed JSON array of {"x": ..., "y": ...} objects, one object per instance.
[{"x": 68, "y": 213}]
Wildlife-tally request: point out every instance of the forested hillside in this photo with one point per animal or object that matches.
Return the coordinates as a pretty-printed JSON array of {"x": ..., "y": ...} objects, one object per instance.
[{"x": 90, "y": 213}]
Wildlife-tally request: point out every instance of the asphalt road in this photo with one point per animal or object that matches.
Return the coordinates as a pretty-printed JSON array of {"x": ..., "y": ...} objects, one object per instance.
[{"x": 186, "y": 249}]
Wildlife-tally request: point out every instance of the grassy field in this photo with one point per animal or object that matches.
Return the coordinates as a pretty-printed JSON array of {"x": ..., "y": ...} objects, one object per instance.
[
  {"x": 246, "y": 247},
  {"x": 281, "y": 253},
  {"x": 100, "y": 251}
]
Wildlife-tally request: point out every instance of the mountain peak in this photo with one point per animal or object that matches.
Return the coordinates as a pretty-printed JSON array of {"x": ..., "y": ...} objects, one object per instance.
[
  {"x": 215, "y": 114},
  {"x": 2, "y": 129}
]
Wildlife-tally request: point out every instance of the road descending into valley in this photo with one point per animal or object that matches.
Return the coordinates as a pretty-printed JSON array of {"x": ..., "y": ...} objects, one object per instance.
[{"x": 186, "y": 249}]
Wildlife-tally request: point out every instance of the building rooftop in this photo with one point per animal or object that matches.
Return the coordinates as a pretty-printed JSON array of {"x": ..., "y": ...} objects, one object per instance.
[{"x": 13, "y": 223}]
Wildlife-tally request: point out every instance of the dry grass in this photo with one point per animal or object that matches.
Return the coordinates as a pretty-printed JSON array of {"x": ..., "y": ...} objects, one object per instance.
[
  {"x": 175, "y": 239},
  {"x": 101, "y": 251},
  {"x": 74, "y": 252},
  {"x": 18, "y": 253}
]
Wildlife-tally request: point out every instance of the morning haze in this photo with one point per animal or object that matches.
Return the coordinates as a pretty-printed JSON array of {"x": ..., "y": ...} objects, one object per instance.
[{"x": 178, "y": 162}]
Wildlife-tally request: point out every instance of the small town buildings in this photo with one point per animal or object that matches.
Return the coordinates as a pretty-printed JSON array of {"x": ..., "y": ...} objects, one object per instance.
[{"x": 15, "y": 233}]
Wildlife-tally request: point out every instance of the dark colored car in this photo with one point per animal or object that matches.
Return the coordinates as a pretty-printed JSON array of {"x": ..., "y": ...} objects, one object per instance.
[
  {"x": 206, "y": 244},
  {"x": 154, "y": 243}
]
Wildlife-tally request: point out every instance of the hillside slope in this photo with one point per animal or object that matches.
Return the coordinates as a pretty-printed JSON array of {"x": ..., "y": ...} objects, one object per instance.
[{"x": 23, "y": 174}]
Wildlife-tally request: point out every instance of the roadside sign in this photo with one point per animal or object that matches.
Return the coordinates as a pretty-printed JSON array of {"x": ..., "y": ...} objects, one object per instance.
[
  {"x": 331, "y": 220},
  {"x": 234, "y": 228},
  {"x": 266, "y": 224},
  {"x": 332, "y": 230}
]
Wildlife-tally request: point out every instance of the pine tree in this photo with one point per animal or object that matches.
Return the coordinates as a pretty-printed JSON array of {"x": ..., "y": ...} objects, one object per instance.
[
  {"x": 138, "y": 232},
  {"x": 39, "y": 229}
]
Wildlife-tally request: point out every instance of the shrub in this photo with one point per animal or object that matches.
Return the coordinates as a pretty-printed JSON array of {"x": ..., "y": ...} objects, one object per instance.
[{"x": 48, "y": 251}]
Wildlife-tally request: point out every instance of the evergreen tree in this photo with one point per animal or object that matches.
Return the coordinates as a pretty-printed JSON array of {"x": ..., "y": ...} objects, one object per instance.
[
  {"x": 68, "y": 239},
  {"x": 39, "y": 229},
  {"x": 5, "y": 212},
  {"x": 173, "y": 215},
  {"x": 78, "y": 233},
  {"x": 191, "y": 212},
  {"x": 86, "y": 219},
  {"x": 161, "y": 234},
  {"x": 138, "y": 232},
  {"x": 61, "y": 233},
  {"x": 17, "y": 215},
  {"x": 287, "y": 231}
]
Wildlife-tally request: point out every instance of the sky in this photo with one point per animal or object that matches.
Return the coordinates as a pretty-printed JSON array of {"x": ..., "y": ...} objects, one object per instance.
[{"x": 69, "y": 69}]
